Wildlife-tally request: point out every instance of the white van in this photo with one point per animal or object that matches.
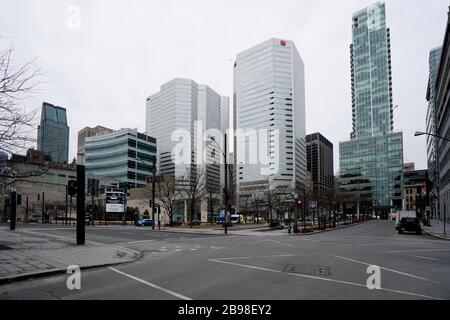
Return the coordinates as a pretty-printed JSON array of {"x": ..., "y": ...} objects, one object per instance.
[{"x": 403, "y": 214}]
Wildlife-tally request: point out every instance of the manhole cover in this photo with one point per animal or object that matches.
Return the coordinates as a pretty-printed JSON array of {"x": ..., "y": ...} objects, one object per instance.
[
  {"x": 308, "y": 270},
  {"x": 3, "y": 247}
]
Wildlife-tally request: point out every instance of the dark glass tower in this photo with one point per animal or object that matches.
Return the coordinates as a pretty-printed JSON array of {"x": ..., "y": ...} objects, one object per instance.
[{"x": 53, "y": 133}]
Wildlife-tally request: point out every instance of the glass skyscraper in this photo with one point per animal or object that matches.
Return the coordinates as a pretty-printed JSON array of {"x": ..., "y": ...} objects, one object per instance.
[
  {"x": 371, "y": 163},
  {"x": 184, "y": 106},
  {"x": 53, "y": 133},
  {"x": 432, "y": 142}
]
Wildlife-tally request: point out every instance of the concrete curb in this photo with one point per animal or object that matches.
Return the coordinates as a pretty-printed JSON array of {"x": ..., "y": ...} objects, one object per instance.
[
  {"x": 53, "y": 272},
  {"x": 329, "y": 230},
  {"x": 230, "y": 230},
  {"x": 435, "y": 235},
  {"x": 187, "y": 232}
]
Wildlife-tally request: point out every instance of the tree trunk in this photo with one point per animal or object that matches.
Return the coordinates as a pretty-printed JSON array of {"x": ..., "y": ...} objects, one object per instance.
[{"x": 192, "y": 213}]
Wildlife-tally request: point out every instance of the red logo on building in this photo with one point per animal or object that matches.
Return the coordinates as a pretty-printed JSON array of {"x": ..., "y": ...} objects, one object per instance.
[{"x": 283, "y": 43}]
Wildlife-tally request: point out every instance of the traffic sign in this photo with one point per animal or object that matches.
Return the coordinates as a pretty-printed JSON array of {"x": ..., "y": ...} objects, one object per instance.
[{"x": 313, "y": 205}]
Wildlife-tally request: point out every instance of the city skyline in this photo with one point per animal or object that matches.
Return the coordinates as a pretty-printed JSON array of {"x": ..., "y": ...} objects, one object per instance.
[
  {"x": 93, "y": 88},
  {"x": 227, "y": 156}
]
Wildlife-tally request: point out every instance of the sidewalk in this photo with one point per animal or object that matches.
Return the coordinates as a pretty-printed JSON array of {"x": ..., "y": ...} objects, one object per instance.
[
  {"x": 26, "y": 254},
  {"x": 437, "y": 230}
]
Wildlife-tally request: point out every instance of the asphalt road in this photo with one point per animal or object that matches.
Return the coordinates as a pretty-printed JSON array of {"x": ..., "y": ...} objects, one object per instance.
[{"x": 330, "y": 265}]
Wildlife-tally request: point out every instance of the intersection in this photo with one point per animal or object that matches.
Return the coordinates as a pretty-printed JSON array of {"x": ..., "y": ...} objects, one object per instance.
[{"x": 257, "y": 265}]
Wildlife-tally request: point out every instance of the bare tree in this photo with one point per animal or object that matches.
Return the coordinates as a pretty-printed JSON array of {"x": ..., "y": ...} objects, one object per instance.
[
  {"x": 193, "y": 188},
  {"x": 16, "y": 85},
  {"x": 165, "y": 193},
  {"x": 273, "y": 203}
]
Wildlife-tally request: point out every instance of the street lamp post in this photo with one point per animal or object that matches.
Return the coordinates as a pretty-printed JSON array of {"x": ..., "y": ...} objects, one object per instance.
[
  {"x": 418, "y": 134},
  {"x": 154, "y": 194},
  {"x": 224, "y": 153}
]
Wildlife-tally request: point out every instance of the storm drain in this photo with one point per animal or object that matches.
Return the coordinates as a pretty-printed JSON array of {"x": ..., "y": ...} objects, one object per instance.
[
  {"x": 308, "y": 270},
  {"x": 3, "y": 247}
]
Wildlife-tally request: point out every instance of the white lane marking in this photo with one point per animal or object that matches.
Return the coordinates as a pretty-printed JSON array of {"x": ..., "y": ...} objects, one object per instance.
[
  {"x": 178, "y": 250},
  {"x": 134, "y": 242},
  {"x": 324, "y": 279},
  {"x": 427, "y": 258},
  {"x": 274, "y": 241},
  {"x": 390, "y": 270},
  {"x": 177, "y": 295},
  {"x": 271, "y": 256},
  {"x": 235, "y": 258},
  {"x": 268, "y": 240},
  {"x": 193, "y": 249},
  {"x": 383, "y": 244},
  {"x": 424, "y": 250}
]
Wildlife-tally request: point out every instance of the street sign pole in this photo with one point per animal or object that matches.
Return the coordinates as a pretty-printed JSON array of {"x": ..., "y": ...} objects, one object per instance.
[
  {"x": 154, "y": 193},
  {"x": 13, "y": 215},
  {"x": 81, "y": 208},
  {"x": 226, "y": 185}
]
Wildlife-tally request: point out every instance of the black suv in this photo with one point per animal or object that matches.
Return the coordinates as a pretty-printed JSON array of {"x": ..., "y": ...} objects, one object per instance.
[{"x": 410, "y": 225}]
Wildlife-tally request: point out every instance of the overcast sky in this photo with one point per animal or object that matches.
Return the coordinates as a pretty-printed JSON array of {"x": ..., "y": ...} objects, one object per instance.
[{"x": 124, "y": 50}]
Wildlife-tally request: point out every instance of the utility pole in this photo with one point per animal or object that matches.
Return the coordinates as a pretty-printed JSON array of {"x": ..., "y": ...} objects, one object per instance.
[
  {"x": 43, "y": 208},
  {"x": 225, "y": 189},
  {"x": 81, "y": 205},
  {"x": 304, "y": 213},
  {"x": 159, "y": 217},
  {"x": 226, "y": 186},
  {"x": 67, "y": 187},
  {"x": 92, "y": 202},
  {"x": 12, "y": 217},
  {"x": 154, "y": 194},
  {"x": 125, "y": 191},
  {"x": 27, "y": 212}
]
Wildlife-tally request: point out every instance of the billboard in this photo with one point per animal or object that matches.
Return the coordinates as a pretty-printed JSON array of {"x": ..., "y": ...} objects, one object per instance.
[{"x": 115, "y": 202}]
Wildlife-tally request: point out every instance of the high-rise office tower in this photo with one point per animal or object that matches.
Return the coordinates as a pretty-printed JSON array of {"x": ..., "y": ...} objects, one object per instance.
[
  {"x": 431, "y": 123},
  {"x": 320, "y": 165},
  {"x": 173, "y": 108},
  {"x": 371, "y": 162},
  {"x": 53, "y": 133},
  {"x": 183, "y": 106},
  {"x": 443, "y": 124},
  {"x": 211, "y": 115},
  {"x": 224, "y": 128},
  {"x": 269, "y": 119}
]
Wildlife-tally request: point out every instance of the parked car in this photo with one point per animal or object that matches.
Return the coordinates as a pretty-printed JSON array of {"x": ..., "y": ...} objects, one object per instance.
[
  {"x": 410, "y": 225},
  {"x": 145, "y": 223},
  {"x": 196, "y": 222},
  {"x": 403, "y": 214}
]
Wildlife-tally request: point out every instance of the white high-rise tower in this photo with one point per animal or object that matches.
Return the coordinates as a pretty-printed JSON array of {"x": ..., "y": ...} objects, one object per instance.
[
  {"x": 269, "y": 112},
  {"x": 183, "y": 106}
]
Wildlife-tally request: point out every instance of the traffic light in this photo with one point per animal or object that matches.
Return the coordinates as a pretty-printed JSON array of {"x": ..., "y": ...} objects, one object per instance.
[
  {"x": 299, "y": 203},
  {"x": 72, "y": 188}
]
